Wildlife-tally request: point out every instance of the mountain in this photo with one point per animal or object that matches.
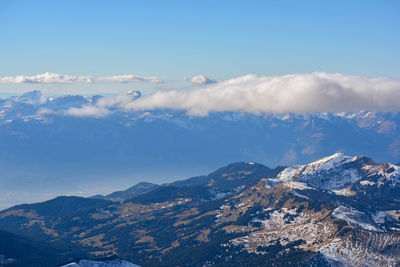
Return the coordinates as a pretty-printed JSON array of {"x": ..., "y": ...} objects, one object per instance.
[
  {"x": 136, "y": 190},
  {"x": 58, "y": 145},
  {"x": 42, "y": 217},
  {"x": 335, "y": 211},
  {"x": 223, "y": 182},
  {"x": 231, "y": 176},
  {"x": 104, "y": 263},
  {"x": 16, "y": 250}
]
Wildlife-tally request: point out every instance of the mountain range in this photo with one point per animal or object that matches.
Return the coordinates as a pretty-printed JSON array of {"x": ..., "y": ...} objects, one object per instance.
[
  {"x": 336, "y": 211},
  {"x": 59, "y": 145}
]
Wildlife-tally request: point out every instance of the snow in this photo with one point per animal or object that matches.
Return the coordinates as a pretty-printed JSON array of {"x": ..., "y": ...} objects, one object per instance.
[
  {"x": 380, "y": 216},
  {"x": 296, "y": 185},
  {"x": 134, "y": 93},
  {"x": 354, "y": 217},
  {"x": 392, "y": 172},
  {"x": 326, "y": 173},
  {"x": 300, "y": 195},
  {"x": 323, "y": 164},
  {"x": 364, "y": 252},
  {"x": 288, "y": 173},
  {"x": 107, "y": 263},
  {"x": 328, "y": 163},
  {"x": 365, "y": 183},
  {"x": 344, "y": 192}
]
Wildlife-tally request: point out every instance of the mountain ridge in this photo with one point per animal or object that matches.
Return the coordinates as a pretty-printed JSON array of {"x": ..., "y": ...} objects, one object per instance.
[{"x": 284, "y": 217}]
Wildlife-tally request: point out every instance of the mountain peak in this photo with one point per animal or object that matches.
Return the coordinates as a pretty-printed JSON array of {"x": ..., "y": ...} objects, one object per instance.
[
  {"x": 34, "y": 97},
  {"x": 135, "y": 94},
  {"x": 331, "y": 161},
  {"x": 337, "y": 171}
]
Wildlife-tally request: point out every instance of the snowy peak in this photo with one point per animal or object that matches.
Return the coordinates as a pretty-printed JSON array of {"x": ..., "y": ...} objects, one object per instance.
[
  {"x": 134, "y": 94},
  {"x": 338, "y": 171},
  {"x": 329, "y": 162},
  {"x": 32, "y": 97},
  {"x": 67, "y": 101}
]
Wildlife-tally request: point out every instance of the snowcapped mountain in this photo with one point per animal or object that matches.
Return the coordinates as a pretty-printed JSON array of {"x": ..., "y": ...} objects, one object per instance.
[
  {"x": 338, "y": 171},
  {"x": 336, "y": 211},
  {"x": 55, "y": 141},
  {"x": 107, "y": 263}
]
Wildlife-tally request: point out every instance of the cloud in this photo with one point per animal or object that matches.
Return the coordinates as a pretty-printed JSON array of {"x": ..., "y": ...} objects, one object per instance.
[
  {"x": 294, "y": 93},
  {"x": 88, "y": 111},
  {"x": 47, "y": 77},
  {"x": 130, "y": 78},
  {"x": 102, "y": 106},
  {"x": 201, "y": 79}
]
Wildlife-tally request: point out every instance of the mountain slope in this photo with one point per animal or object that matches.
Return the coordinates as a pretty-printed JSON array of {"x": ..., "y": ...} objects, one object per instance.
[
  {"x": 104, "y": 263},
  {"x": 334, "y": 211},
  {"x": 24, "y": 251},
  {"x": 133, "y": 191},
  {"x": 225, "y": 181}
]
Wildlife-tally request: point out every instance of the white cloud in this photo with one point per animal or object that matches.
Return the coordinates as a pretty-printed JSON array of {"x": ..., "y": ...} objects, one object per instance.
[
  {"x": 130, "y": 78},
  {"x": 201, "y": 79},
  {"x": 49, "y": 77},
  {"x": 296, "y": 93},
  {"x": 88, "y": 111},
  {"x": 103, "y": 105},
  {"x": 46, "y": 77}
]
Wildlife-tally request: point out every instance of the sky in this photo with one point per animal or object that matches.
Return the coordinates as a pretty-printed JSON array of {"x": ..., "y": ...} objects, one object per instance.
[{"x": 163, "y": 44}]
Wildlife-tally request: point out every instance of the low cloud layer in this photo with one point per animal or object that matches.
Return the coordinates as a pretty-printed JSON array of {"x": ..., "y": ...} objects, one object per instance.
[
  {"x": 201, "y": 79},
  {"x": 87, "y": 111},
  {"x": 48, "y": 77},
  {"x": 296, "y": 93}
]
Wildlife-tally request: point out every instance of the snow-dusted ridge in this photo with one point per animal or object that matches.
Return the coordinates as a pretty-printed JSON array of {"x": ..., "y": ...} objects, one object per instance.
[
  {"x": 106, "y": 263},
  {"x": 336, "y": 173}
]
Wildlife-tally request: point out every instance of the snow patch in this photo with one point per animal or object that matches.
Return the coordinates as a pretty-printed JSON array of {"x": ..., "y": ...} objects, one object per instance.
[
  {"x": 345, "y": 192},
  {"x": 365, "y": 183},
  {"x": 300, "y": 195},
  {"x": 380, "y": 216},
  {"x": 296, "y": 185},
  {"x": 354, "y": 217}
]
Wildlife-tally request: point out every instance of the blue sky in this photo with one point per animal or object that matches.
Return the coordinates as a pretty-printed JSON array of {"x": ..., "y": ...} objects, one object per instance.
[{"x": 176, "y": 39}]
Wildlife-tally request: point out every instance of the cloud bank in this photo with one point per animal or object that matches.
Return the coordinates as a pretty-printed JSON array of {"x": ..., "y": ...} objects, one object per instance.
[
  {"x": 201, "y": 79},
  {"x": 130, "y": 78},
  {"x": 47, "y": 77},
  {"x": 294, "y": 93}
]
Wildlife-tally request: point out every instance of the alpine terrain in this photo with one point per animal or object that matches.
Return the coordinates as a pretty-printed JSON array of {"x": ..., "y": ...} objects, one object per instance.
[{"x": 336, "y": 211}]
